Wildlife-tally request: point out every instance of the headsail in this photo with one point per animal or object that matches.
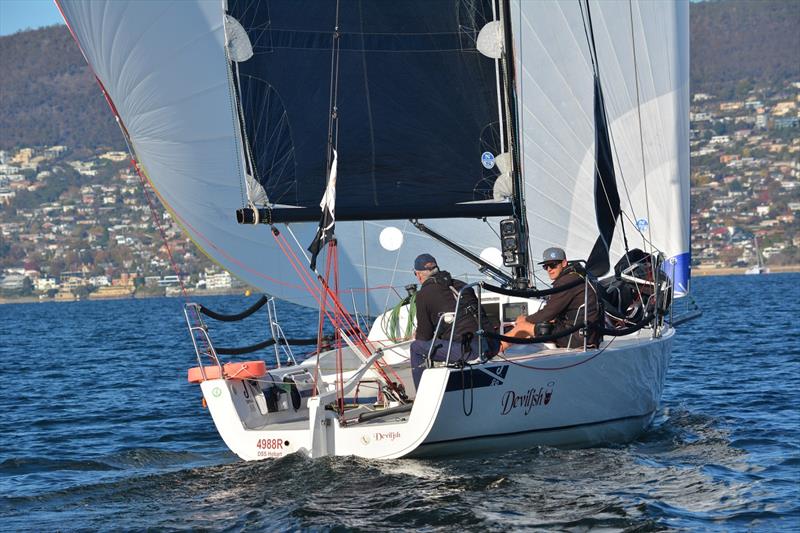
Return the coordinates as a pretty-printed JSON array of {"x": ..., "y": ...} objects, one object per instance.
[{"x": 643, "y": 54}]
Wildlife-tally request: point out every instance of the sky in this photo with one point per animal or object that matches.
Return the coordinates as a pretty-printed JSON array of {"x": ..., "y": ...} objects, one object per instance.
[{"x": 18, "y": 15}]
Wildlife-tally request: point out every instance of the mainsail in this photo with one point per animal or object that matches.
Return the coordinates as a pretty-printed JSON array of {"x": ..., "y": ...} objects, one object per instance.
[
  {"x": 215, "y": 129},
  {"x": 416, "y": 106}
]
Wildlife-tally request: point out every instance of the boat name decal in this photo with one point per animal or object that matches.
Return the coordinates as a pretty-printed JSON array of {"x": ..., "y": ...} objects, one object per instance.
[
  {"x": 528, "y": 400},
  {"x": 389, "y": 435}
]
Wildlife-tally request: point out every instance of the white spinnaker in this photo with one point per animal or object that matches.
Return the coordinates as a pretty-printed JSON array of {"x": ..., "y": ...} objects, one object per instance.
[
  {"x": 557, "y": 119},
  {"x": 163, "y": 65}
]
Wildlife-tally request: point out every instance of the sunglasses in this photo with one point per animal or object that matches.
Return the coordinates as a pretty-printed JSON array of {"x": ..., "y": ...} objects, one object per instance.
[{"x": 550, "y": 266}]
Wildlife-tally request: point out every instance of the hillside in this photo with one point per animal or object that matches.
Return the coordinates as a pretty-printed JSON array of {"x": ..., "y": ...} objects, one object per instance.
[
  {"x": 736, "y": 44},
  {"x": 48, "y": 95}
]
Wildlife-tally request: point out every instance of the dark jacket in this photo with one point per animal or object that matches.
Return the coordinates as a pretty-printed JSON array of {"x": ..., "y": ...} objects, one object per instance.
[
  {"x": 437, "y": 296},
  {"x": 564, "y": 307}
]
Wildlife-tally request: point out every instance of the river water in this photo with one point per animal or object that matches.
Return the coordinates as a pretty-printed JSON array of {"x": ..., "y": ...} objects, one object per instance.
[{"x": 101, "y": 431}]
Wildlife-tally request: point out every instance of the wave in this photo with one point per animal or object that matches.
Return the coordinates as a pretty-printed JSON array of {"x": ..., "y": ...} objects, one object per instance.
[{"x": 30, "y": 465}]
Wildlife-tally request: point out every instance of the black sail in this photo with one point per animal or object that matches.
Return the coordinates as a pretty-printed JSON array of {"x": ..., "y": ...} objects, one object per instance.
[
  {"x": 416, "y": 106},
  {"x": 606, "y": 195}
]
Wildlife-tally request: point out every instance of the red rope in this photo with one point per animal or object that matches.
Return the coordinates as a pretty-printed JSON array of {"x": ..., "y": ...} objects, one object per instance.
[
  {"x": 154, "y": 213},
  {"x": 332, "y": 261},
  {"x": 340, "y": 316}
]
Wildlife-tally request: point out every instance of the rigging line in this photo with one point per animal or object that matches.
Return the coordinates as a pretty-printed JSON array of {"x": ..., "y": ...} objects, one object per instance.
[
  {"x": 246, "y": 152},
  {"x": 340, "y": 315},
  {"x": 589, "y": 32},
  {"x": 150, "y": 203},
  {"x": 366, "y": 268},
  {"x": 501, "y": 126},
  {"x": 595, "y": 65},
  {"x": 641, "y": 132},
  {"x": 614, "y": 144},
  {"x": 332, "y": 102},
  {"x": 372, "y": 166},
  {"x": 237, "y": 117},
  {"x": 521, "y": 272},
  {"x": 394, "y": 270},
  {"x": 294, "y": 237},
  {"x": 589, "y": 41},
  {"x": 368, "y": 108},
  {"x": 521, "y": 143},
  {"x": 485, "y": 221},
  {"x": 161, "y": 230},
  {"x": 644, "y": 238}
]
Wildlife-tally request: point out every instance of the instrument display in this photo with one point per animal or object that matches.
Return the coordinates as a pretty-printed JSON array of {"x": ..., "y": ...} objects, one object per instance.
[{"x": 512, "y": 310}]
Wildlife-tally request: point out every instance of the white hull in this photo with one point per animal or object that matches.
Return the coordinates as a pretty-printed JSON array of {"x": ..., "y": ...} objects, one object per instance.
[{"x": 559, "y": 398}]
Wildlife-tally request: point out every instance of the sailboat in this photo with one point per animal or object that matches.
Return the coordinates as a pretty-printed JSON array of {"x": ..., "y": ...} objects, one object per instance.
[
  {"x": 362, "y": 134},
  {"x": 759, "y": 267}
]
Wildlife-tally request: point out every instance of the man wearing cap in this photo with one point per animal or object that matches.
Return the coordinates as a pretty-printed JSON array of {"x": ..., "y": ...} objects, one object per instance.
[
  {"x": 437, "y": 295},
  {"x": 564, "y": 308}
]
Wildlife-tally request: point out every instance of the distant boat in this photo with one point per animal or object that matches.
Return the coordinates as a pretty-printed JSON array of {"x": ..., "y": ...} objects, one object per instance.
[{"x": 759, "y": 267}]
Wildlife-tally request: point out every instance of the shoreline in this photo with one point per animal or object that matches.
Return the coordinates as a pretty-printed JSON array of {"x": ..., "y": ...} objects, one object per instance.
[
  {"x": 696, "y": 272},
  {"x": 740, "y": 271},
  {"x": 36, "y": 299}
]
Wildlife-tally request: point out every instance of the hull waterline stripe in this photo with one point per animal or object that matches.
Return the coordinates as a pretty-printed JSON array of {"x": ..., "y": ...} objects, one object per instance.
[{"x": 559, "y": 428}]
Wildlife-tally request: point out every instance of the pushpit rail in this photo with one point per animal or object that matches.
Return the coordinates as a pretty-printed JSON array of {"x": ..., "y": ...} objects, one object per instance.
[
  {"x": 199, "y": 333},
  {"x": 204, "y": 347}
]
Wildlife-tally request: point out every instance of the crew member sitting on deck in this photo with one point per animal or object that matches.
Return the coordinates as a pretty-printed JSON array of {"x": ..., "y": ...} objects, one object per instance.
[
  {"x": 438, "y": 295},
  {"x": 564, "y": 309}
]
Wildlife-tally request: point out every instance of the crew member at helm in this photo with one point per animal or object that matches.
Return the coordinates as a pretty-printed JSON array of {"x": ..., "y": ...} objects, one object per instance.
[{"x": 564, "y": 309}]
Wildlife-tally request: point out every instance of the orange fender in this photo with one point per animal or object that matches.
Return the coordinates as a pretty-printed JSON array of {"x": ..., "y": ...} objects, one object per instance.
[{"x": 244, "y": 370}]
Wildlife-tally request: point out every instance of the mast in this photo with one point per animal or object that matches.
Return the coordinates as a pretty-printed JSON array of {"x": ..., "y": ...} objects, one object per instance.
[{"x": 520, "y": 266}]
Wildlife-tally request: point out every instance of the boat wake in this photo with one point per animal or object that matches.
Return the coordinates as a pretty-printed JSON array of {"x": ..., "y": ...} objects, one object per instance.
[{"x": 685, "y": 471}]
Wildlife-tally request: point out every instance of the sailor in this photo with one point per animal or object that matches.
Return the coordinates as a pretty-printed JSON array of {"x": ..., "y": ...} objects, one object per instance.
[
  {"x": 438, "y": 295},
  {"x": 564, "y": 309}
]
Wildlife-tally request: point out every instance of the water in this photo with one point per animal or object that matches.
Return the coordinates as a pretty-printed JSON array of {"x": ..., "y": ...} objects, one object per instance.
[{"x": 101, "y": 431}]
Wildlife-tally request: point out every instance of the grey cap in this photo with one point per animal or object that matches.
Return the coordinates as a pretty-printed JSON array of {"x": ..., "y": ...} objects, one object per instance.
[{"x": 552, "y": 255}]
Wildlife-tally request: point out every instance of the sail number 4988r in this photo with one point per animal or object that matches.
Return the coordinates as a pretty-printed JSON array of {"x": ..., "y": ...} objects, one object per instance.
[
  {"x": 271, "y": 447},
  {"x": 269, "y": 444}
]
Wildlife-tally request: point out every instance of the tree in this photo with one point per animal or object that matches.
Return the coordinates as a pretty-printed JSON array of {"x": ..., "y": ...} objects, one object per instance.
[{"x": 27, "y": 287}]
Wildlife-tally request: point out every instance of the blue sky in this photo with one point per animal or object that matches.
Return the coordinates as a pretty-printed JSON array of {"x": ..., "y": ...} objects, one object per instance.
[{"x": 18, "y": 15}]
